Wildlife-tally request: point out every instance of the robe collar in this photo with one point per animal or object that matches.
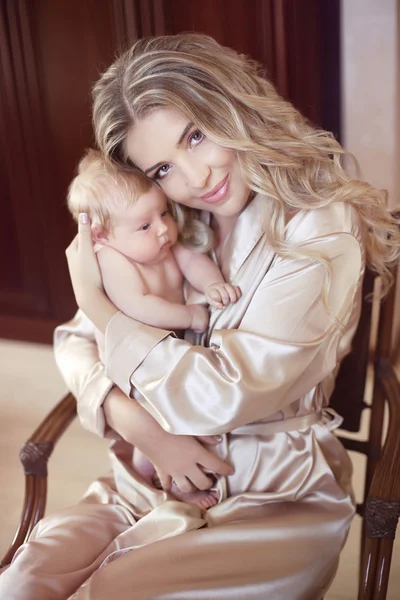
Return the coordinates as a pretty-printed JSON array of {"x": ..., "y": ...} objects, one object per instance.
[
  {"x": 241, "y": 241},
  {"x": 247, "y": 232}
]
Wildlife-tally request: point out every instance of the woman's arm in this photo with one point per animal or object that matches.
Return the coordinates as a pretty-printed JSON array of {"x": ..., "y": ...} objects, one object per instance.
[
  {"x": 102, "y": 406},
  {"x": 286, "y": 344},
  {"x": 78, "y": 360},
  {"x": 182, "y": 458}
]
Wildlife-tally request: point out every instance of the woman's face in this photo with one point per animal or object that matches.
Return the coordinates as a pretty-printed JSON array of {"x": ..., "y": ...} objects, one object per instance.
[{"x": 190, "y": 169}]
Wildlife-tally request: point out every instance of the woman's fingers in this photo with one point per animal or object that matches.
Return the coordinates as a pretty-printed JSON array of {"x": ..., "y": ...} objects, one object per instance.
[
  {"x": 215, "y": 464},
  {"x": 73, "y": 247},
  {"x": 83, "y": 237},
  {"x": 200, "y": 479},
  {"x": 209, "y": 439},
  {"x": 82, "y": 262},
  {"x": 164, "y": 479},
  {"x": 85, "y": 233},
  {"x": 184, "y": 484}
]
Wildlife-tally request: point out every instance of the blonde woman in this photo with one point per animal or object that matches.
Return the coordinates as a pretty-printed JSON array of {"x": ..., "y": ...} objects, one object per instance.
[{"x": 294, "y": 232}]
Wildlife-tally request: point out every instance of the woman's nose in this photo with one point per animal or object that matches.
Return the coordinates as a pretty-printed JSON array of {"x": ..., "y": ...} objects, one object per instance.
[{"x": 196, "y": 173}]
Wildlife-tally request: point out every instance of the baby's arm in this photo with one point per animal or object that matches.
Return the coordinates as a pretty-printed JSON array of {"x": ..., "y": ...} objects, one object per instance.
[
  {"x": 126, "y": 288},
  {"x": 204, "y": 275}
]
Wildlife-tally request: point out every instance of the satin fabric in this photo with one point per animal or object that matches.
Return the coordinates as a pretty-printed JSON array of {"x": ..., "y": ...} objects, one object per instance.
[{"x": 265, "y": 365}]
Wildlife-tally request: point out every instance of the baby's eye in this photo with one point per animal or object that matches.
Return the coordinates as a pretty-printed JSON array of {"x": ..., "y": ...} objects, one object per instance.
[
  {"x": 195, "y": 138},
  {"x": 161, "y": 172},
  {"x": 145, "y": 227},
  {"x": 165, "y": 213}
]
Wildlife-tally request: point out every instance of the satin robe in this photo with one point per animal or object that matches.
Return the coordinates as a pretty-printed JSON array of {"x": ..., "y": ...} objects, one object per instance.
[{"x": 261, "y": 377}]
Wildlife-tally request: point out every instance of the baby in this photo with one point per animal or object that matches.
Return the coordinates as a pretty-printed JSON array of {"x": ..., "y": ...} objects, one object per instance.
[{"x": 143, "y": 265}]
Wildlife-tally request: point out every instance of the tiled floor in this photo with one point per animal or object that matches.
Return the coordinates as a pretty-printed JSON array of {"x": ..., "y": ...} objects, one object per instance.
[{"x": 30, "y": 386}]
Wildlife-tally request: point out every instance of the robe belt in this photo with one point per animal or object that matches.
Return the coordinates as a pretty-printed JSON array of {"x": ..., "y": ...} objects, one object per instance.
[{"x": 326, "y": 417}]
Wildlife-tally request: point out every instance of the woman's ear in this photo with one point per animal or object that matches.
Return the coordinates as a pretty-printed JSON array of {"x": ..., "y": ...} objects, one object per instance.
[{"x": 99, "y": 234}]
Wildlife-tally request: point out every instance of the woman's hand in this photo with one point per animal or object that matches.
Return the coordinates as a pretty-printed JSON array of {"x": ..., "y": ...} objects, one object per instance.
[
  {"x": 185, "y": 461},
  {"x": 179, "y": 457},
  {"x": 86, "y": 277}
]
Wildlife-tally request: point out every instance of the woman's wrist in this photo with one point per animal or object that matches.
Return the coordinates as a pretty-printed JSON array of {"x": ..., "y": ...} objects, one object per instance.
[
  {"x": 98, "y": 308},
  {"x": 117, "y": 411},
  {"x": 130, "y": 420}
]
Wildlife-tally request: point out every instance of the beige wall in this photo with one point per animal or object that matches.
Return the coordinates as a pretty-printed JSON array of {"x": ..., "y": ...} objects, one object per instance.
[
  {"x": 371, "y": 96},
  {"x": 369, "y": 56}
]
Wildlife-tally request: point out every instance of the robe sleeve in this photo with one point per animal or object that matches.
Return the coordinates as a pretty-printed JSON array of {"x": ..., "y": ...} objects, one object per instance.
[
  {"x": 77, "y": 358},
  {"x": 284, "y": 346}
]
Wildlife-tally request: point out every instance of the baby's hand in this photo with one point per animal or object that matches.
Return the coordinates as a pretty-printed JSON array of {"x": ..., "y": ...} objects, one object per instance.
[
  {"x": 200, "y": 317},
  {"x": 220, "y": 294}
]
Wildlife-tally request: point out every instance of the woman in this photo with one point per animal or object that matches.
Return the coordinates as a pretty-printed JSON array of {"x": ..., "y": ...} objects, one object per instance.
[{"x": 294, "y": 232}]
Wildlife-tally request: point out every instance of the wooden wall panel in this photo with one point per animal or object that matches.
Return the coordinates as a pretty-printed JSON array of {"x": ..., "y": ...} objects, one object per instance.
[
  {"x": 72, "y": 41},
  {"x": 51, "y": 54},
  {"x": 24, "y": 290},
  {"x": 297, "y": 43},
  {"x": 247, "y": 27}
]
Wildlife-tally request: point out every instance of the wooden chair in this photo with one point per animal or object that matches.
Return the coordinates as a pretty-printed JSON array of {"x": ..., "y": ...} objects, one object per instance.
[{"x": 380, "y": 508}]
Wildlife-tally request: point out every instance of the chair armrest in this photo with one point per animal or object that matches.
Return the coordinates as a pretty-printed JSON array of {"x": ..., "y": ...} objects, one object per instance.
[
  {"x": 385, "y": 483},
  {"x": 34, "y": 457},
  {"x": 382, "y": 507}
]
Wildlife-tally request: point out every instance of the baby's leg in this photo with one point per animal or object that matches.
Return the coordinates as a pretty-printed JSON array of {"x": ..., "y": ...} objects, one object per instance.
[
  {"x": 63, "y": 551},
  {"x": 144, "y": 467},
  {"x": 202, "y": 499}
]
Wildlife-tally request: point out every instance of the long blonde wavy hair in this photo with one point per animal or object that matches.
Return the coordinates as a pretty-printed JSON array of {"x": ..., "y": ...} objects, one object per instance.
[{"x": 282, "y": 156}]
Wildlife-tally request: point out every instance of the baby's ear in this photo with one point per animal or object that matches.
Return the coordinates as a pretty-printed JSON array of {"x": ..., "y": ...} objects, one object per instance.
[{"x": 99, "y": 234}]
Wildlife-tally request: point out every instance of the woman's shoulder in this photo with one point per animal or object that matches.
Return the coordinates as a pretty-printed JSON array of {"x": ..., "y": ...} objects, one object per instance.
[{"x": 335, "y": 219}]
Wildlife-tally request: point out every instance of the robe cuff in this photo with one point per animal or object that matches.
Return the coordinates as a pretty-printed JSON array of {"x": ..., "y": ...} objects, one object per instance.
[
  {"x": 90, "y": 401},
  {"x": 127, "y": 343}
]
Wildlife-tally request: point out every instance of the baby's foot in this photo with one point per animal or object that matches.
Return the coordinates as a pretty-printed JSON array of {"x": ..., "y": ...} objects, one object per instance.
[{"x": 203, "y": 500}]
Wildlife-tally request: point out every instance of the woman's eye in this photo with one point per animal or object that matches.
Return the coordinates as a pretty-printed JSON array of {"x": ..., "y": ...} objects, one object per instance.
[
  {"x": 161, "y": 172},
  {"x": 195, "y": 138},
  {"x": 145, "y": 227}
]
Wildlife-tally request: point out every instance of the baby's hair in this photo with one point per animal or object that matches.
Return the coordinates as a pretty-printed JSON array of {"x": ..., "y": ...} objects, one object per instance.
[{"x": 100, "y": 188}]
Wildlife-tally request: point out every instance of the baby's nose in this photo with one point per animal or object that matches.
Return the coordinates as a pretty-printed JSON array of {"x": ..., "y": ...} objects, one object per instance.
[{"x": 162, "y": 228}]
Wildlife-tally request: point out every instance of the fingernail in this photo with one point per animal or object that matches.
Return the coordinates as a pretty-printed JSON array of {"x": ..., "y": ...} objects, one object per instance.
[
  {"x": 218, "y": 438},
  {"x": 83, "y": 218}
]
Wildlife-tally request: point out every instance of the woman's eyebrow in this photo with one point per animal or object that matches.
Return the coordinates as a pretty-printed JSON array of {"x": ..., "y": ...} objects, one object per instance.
[
  {"x": 184, "y": 133},
  {"x": 179, "y": 142}
]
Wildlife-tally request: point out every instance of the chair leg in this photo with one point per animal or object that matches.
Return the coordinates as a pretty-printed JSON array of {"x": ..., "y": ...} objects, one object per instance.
[
  {"x": 383, "y": 569},
  {"x": 381, "y": 518},
  {"x": 368, "y": 568}
]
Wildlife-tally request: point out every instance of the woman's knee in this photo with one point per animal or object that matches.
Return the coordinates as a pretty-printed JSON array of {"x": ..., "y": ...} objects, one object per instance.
[{"x": 94, "y": 520}]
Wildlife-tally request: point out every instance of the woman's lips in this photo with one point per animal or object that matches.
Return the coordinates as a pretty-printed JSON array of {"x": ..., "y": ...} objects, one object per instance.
[{"x": 217, "y": 193}]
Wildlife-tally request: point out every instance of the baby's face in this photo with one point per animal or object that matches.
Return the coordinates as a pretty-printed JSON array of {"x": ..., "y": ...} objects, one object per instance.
[{"x": 145, "y": 231}]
